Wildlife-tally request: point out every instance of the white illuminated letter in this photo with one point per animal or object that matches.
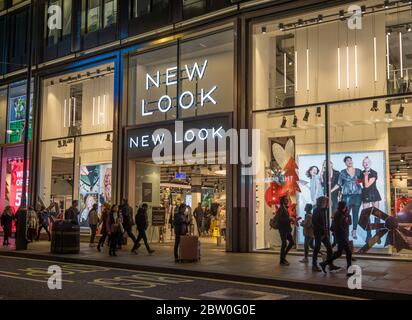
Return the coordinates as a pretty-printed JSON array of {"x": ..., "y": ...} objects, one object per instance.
[
  {"x": 145, "y": 141},
  {"x": 153, "y": 81},
  {"x": 134, "y": 143},
  {"x": 144, "y": 113},
  {"x": 205, "y": 135},
  {"x": 190, "y": 104},
  {"x": 187, "y": 135},
  {"x": 170, "y": 74},
  {"x": 207, "y": 96},
  {"x": 168, "y": 104},
  {"x": 196, "y": 69}
]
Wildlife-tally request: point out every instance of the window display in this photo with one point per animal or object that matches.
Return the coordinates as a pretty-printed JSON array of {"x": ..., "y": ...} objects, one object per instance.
[{"x": 16, "y": 124}]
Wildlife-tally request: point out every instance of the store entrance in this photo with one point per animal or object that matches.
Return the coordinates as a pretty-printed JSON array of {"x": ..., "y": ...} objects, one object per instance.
[{"x": 164, "y": 187}]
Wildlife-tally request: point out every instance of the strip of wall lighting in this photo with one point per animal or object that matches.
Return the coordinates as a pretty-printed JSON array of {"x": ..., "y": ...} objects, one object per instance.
[
  {"x": 339, "y": 70},
  {"x": 375, "y": 67},
  {"x": 296, "y": 71}
]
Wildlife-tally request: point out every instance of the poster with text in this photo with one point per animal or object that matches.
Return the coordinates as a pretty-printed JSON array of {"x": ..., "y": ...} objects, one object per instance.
[
  {"x": 16, "y": 183},
  {"x": 360, "y": 187}
]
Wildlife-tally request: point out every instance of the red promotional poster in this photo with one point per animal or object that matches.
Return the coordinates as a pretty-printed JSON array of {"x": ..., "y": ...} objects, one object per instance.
[{"x": 16, "y": 183}]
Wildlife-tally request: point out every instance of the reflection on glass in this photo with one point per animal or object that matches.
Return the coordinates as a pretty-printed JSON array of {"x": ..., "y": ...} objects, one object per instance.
[
  {"x": 110, "y": 12},
  {"x": 93, "y": 15}
]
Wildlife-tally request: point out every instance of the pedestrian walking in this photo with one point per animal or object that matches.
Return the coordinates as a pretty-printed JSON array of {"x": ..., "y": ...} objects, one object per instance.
[
  {"x": 116, "y": 230},
  {"x": 93, "y": 219},
  {"x": 43, "y": 222},
  {"x": 32, "y": 224},
  {"x": 198, "y": 213},
  {"x": 105, "y": 226},
  {"x": 307, "y": 232},
  {"x": 180, "y": 227},
  {"x": 127, "y": 216},
  {"x": 340, "y": 225},
  {"x": 285, "y": 230},
  {"x": 6, "y": 223},
  {"x": 320, "y": 223},
  {"x": 141, "y": 225},
  {"x": 72, "y": 213}
]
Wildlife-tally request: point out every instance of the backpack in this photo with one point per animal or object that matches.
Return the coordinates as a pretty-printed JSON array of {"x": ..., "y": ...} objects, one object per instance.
[{"x": 274, "y": 222}]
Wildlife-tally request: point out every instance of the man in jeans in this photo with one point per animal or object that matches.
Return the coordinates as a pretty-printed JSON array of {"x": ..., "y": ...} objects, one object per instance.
[
  {"x": 320, "y": 225},
  {"x": 93, "y": 222},
  {"x": 142, "y": 224}
]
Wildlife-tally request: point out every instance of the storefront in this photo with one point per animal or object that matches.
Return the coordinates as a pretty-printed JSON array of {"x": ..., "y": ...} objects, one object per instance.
[
  {"x": 183, "y": 90},
  {"x": 12, "y": 129},
  {"x": 76, "y": 137},
  {"x": 332, "y": 98}
]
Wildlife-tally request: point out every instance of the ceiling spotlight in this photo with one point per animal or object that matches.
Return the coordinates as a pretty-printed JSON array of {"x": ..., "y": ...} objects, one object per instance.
[
  {"x": 389, "y": 31},
  {"x": 281, "y": 26},
  {"x": 388, "y": 109},
  {"x": 52, "y": 83},
  {"x": 300, "y": 22},
  {"x": 59, "y": 144},
  {"x": 400, "y": 112},
  {"x": 400, "y": 178},
  {"x": 109, "y": 68},
  {"x": 320, "y": 18},
  {"x": 386, "y": 4},
  {"x": 318, "y": 112},
  {"x": 306, "y": 116},
  {"x": 363, "y": 9},
  {"x": 397, "y": 169},
  {"x": 403, "y": 158},
  {"x": 408, "y": 28},
  {"x": 342, "y": 14},
  {"x": 108, "y": 138},
  {"x": 295, "y": 121},
  {"x": 79, "y": 76},
  {"x": 375, "y": 106},
  {"x": 408, "y": 166},
  {"x": 264, "y": 30},
  {"x": 284, "y": 120}
]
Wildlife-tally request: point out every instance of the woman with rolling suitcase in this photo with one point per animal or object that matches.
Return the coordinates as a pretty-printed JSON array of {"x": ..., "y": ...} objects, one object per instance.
[{"x": 180, "y": 226}]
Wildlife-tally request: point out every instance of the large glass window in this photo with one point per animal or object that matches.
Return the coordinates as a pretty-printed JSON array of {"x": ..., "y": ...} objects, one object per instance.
[
  {"x": 98, "y": 14},
  {"x": 78, "y": 103},
  {"x": 93, "y": 15},
  {"x": 72, "y": 165},
  {"x": 2, "y": 4},
  {"x": 16, "y": 122},
  {"x": 143, "y": 7},
  {"x": 206, "y": 78},
  {"x": 323, "y": 57}
]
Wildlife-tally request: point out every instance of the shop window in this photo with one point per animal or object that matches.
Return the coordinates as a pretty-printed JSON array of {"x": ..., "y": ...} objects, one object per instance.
[
  {"x": 98, "y": 14},
  {"x": 3, "y": 115},
  {"x": 57, "y": 173},
  {"x": 18, "y": 44},
  {"x": 213, "y": 55},
  {"x": 292, "y": 163},
  {"x": 206, "y": 77},
  {"x": 3, "y": 41},
  {"x": 93, "y": 182},
  {"x": 110, "y": 12},
  {"x": 2, "y": 5},
  {"x": 193, "y": 8},
  {"x": 16, "y": 123},
  {"x": 79, "y": 103}
]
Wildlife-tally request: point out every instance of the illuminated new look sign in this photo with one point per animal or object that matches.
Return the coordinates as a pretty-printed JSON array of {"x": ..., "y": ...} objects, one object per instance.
[{"x": 186, "y": 99}]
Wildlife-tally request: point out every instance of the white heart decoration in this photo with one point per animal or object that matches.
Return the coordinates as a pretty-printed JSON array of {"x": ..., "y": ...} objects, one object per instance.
[{"x": 281, "y": 155}]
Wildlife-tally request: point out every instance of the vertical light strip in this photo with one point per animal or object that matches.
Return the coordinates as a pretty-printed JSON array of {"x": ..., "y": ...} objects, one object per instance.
[
  {"x": 307, "y": 69},
  {"x": 284, "y": 73},
  {"x": 70, "y": 111},
  {"x": 74, "y": 111},
  {"x": 401, "y": 53},
  {"x": 104, "y": 109},
  {"x": 64, "y": 113},
  {"x": 339, "y": 69},
  {"x": 375, "y": 66},
  {"x": 347, "y": 67},
  {"x": 387, "y": 56},
  {"x": 98, "y": 110},
  {"x": 94, "y": 106},
  {"x": 296, "y": 71},
  {"x": 356, "y": 66}
]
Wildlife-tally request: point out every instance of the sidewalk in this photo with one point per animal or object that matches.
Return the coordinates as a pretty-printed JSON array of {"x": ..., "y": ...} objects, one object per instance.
[{"x": 381, "y": 278}]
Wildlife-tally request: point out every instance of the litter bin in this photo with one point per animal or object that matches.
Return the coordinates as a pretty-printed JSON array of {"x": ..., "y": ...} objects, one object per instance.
[
  {"x": 21, "y": 237},
  {"x": 65, "y": 237}
]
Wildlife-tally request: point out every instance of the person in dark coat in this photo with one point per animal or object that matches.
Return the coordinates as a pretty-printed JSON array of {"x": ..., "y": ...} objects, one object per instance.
[
  {"x": 127, "y": 215},
  {"x": 142, "y": 225},
  {"x": 340, "y": 225},
  {"x": 43, "y": 222},
  {"x": 6, "y": 224},
  {"x": 72, "y": 213},
  {"x": 115, "y": 230},
  {"x": 180, "y": 227},
  {"x": 198, "y": 213},
  {"x": 320, "y": 223},
  {"x": 104, "y": 231},
  {"x": 285, "y": 230}
]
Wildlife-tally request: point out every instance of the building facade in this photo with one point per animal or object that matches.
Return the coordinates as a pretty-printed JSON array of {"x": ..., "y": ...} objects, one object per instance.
[{"x": 326, "y": 83}]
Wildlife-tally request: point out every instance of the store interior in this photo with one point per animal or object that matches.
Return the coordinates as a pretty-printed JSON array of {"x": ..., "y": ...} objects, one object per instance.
[{"x": 163, "y": 187}]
